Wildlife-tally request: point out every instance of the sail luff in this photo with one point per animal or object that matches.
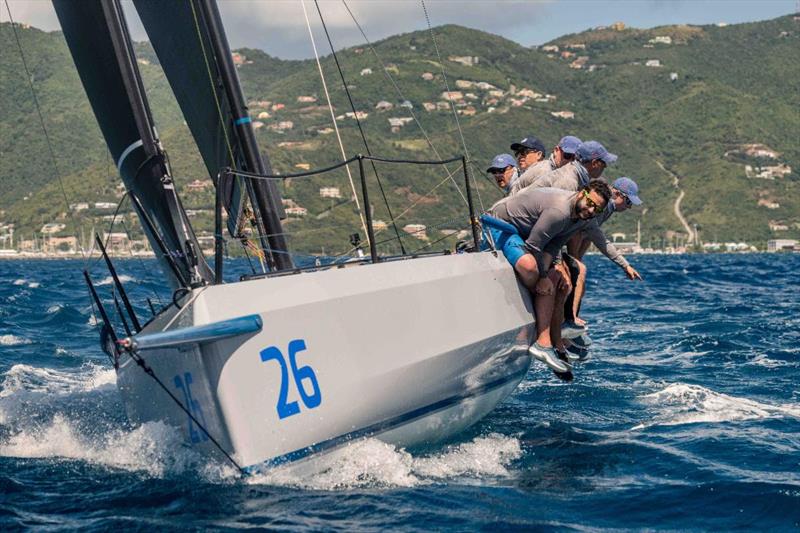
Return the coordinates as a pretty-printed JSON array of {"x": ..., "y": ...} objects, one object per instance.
[{"x": 98, "y": 42}]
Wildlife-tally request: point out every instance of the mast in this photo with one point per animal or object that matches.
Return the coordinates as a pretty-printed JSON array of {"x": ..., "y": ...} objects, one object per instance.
[{"x": 264, "y": 194}]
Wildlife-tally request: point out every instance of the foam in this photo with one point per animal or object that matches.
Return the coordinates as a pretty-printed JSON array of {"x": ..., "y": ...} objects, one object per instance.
[
  {"x": 683, "y": 403},
  {"x": 13, "y": 340},
  {"x": 153, "y": 448},
  {"x": 28, "y": 378},
  {"x": 108, "y": 280},
  {"x": 20, "y": 281},
  {"x": 372, "y": 463}
]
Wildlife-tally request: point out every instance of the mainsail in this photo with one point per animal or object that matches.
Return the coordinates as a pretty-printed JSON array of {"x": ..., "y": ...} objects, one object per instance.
[
  {"x": 192, "y": 48},
  {"x": 98, "y": 40}
]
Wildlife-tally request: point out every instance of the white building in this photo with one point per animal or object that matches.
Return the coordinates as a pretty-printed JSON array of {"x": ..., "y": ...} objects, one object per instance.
[
  {"x": 777, "y": 245},
  {"x": 104, "y": 205},
  {"x": 52, "y": 227},
  {"x": 366, "y": 71},
  {"x": 652, "y": 63},
  {"x": 383, "y": 105},
  {"x": 330, "y": 192},
  {"x": 417, "y": 231}
]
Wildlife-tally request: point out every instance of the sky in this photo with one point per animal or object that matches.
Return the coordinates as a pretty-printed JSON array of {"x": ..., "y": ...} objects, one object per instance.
[{"x": 279, "y": 28}]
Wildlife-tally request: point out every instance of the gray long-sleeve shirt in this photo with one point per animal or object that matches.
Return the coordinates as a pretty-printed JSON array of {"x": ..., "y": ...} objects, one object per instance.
[
  {"x": 532, "y": 173},
  {"x": 570, "y": 177},
  {"x": 544, "y": 218},
  {"x": 601, "y": 241}
]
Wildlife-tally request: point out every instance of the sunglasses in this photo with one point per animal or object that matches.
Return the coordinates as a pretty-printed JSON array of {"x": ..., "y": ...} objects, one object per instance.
[
  {"x": 497, "y": 171},
  {"x": 590, "y": 202},
  {"x": 628, "y": 202}
]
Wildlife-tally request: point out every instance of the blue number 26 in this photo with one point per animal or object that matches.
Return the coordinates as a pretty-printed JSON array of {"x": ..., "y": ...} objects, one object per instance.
[{"x": 300, "y": 374}]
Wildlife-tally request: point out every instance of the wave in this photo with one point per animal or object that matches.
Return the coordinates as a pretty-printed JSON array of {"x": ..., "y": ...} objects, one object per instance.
[
  {"x": 13, "y": 340},
  {"x": 28, "y": 378},
  {"x": 683, "y": 403},
  {"x": 108, "y": 280},
  {"x": 373, "y": 463},
  {"x": 153, "y": 448}
]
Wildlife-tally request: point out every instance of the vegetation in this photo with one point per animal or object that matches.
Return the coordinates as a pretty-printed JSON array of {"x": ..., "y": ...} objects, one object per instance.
[{"x": 732, "y": 86}]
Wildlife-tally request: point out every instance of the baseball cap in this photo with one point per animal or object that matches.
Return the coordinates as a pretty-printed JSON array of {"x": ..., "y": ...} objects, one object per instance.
[
  {"x": 594, "y": 150},
  {"x": 502, "y": 161},
  {"x": 569, "y": 144},
  {"x": 629, "y": 188},
  {"x": 531, "y": 143}
]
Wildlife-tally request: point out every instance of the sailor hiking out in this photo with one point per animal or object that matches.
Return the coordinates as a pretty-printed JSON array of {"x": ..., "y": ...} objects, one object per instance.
[{"x": 530, "y": 228}]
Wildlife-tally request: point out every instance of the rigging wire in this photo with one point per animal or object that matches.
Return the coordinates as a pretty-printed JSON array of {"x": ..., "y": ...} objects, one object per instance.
[
  {"x": 360, "y": 129},
  {"x": 447, "y": 88},
  {"x": 333, "y": 119},
  {"x": 401, "y": 95},
  {"x": 41, "y": 119},
  {"x": 221, "y": 117}
]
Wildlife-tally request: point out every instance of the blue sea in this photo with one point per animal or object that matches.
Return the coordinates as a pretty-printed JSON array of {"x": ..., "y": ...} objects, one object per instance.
[{"x": 686, "y": 417}]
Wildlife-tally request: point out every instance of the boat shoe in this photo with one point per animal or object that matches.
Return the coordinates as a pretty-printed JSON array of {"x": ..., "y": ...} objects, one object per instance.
[
  {"x": 547, "y": 355},
  {"x": 570, "y": 330}
]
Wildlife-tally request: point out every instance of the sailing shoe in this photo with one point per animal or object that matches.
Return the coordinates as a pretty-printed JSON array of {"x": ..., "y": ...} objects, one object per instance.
[
  {"x": 577, "y": 353},
  {"x": 564, "y": 358},
  {"x": 570, "y": 330},
  {"x": 547, "y": 356},
  {"x": 582, "y": 340}
]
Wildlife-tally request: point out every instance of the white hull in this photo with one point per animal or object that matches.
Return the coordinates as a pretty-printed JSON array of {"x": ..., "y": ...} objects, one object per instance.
[{"x": 410, "y": 352}]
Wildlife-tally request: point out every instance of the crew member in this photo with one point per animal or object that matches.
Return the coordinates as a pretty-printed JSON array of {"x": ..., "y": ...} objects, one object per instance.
[
  {"x": 503, "y": 169},
  {"x": 529, "y": 151},
  {"x": 563, "y": 153},
  {"x": 530, "y": 228}
]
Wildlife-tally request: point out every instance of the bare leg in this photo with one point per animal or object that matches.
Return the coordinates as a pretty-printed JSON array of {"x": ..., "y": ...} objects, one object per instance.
[
  {"x": 580, "y": 289},
  {"x": 542, "y": 303},
  {"x": 560, "y": 274}
]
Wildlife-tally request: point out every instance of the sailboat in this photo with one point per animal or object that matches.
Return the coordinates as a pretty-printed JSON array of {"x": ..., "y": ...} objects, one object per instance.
[{"x": 281, "y": 367}]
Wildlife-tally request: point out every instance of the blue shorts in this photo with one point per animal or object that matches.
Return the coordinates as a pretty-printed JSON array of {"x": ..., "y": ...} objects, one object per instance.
[{"x": 505, "y": 237}]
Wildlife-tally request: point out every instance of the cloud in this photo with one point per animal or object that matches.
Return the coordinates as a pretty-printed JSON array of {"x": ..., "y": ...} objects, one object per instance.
[{"x": 278, "y": 26}]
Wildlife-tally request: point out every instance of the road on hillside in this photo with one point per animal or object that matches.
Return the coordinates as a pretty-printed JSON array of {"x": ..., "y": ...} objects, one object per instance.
[{"x": 677, "y": 206}]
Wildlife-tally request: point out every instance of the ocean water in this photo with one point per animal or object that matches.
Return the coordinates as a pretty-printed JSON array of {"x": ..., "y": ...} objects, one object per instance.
[{"x": 687, "y": 417}]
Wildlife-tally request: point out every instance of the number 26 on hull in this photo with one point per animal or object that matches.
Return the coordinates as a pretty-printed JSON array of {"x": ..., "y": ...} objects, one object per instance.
[{"x": 301, "y": 375}]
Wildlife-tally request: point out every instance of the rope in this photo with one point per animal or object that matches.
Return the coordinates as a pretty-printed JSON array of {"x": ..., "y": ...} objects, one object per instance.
[
  {"x": 358, "y": 123},
  {"x": 401, "y": 95},
  {"x": 447, "y": 87},
  {"x": 149, "y": 371},
  {"x": 41, "y": 122},
  {"x": 221, "y": 118},
  {"x": 333, "y": 119}
]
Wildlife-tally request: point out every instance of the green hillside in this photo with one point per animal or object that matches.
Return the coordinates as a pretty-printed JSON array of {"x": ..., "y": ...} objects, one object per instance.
[{"x": 735, "y": 88}]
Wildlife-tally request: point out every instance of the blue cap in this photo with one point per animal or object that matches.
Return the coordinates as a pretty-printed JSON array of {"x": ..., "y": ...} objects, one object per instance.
[
  {"x": 502, "y": 161},
  {"x": 629, "y": 188},
  {"x": 531, "y": 143},
  {"x": 569, "y": 144},
  {"x": 594, "y": 150}
]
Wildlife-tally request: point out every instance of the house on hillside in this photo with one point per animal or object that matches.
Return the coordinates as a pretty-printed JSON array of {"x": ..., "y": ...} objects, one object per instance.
[
  {"x": 652, "y": 63},
  {"x": 579, "y": 62},
  {"x": 79, "y": 206},
  {"x": 330, "y": 192},
  {"x": 306, "y": 99},
  {"x": 769, "y": 204},
  {"x": 283, "y": 125},
  {"x": 366, "y": 71},
  {"x": 399, "y": 122},
  {"x": 383, "y": 105},
  {"x": 673, "y": 76},
  {"x": 464, "y": 84},
  {"x": 452, "y": 96},
  {"x": 467, "y": 61},
  {"x": 325, "y": 131},
  {"x": 418, "y": 231},
  {"x": 257, "y": 124},
  {"x": 303, "y": 166},
  {"x": 442, "y": 106},
  {"x": 429, "y": 106},
  {"x": 497, "y": 93},
  {"x": 468, "y": 111},
  {"x": 199, "y": 185},
  {"x": 576, "y": 46},
  {"x": 566, "y": 55},
  {"x": 563, "y": 114},
  {"x": 104, "y": 205},
  {"x": 263, "y": 115},
  {"x": 427, "y": 76},
  {"x": 52, "y": 228},
  {"x": 485, "y": 86},
  {"x": 296, "y": 211},
  {"x": 407, "y": 104},
  {"x": 277, "y": 107},
  {"x": 661, "y": 39},
  {"x": 528, "y": 93},
  {"x": 550, "y": 48},
  {"x": 238, "y": 59}
]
